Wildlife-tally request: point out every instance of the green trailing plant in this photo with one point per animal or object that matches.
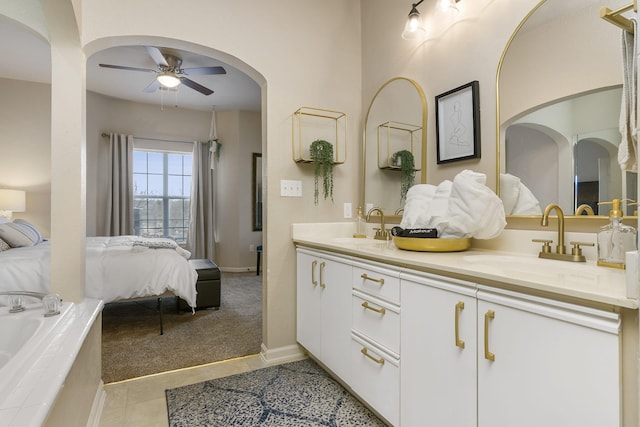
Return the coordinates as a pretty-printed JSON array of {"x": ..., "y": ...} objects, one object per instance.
[
  {"x": 404, "y": 159},
  {"x": 322, "y": 156}
]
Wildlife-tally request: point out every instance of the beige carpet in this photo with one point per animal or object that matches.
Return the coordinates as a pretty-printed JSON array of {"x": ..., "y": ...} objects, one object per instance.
[{"x": 133, "y": 347}]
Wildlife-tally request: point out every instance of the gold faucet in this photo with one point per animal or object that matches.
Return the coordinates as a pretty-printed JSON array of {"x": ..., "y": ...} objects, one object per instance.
[
  {"x": 561, "y": 250},
  {"x": 585, "y": 208},
  {"x": 381, "y": 233}
]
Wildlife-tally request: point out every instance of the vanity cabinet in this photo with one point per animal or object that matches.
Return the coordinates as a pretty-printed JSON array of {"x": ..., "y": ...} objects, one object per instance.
[
  {"x": 478, "y": 356},
  {"x": 323, "y": 316},
  {"x": 438, "y": 352},
  {"x": 428, "y": 350},
  {"x": 375, "y": 339},
  {"x": 544, "y": 363}
]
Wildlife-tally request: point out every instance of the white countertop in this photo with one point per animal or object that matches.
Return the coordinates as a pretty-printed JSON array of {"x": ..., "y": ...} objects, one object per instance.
[{"x": 526, "y": 272}]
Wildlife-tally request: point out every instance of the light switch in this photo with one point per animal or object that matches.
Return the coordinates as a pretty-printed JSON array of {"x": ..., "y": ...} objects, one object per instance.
[
  {"x": 347, "y": 210},
  {"x": 290, "y": 188}
]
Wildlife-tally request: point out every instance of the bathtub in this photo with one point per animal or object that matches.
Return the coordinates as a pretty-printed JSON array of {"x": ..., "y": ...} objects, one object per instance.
[{"x": 36, "y": 354}]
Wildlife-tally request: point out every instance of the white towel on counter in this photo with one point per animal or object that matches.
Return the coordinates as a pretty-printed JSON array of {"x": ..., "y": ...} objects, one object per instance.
[{"x": 463, "y": 208}]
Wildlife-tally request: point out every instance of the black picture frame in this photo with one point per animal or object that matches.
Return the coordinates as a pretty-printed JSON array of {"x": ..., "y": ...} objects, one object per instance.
[{"x": 458, "y": 123}]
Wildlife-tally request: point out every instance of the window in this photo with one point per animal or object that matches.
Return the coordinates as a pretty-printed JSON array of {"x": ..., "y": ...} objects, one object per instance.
[{"x": 161, "y": 194}]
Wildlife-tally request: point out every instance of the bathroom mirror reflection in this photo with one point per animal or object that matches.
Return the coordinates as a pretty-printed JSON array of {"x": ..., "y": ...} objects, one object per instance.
[
  {"x": 559, "y": 113},
  {"x": 394, "y": 125}
]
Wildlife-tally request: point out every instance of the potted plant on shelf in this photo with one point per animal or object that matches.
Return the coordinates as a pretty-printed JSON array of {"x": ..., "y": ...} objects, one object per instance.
[
  {"x": 322, "y": 155},
  {"x": 404, "y": 160}
]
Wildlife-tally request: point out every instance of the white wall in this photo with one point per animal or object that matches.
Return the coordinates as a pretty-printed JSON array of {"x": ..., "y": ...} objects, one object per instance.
[{"x": 25, "y": 158}]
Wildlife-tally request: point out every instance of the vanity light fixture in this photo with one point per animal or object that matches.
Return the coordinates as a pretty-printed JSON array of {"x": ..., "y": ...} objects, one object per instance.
[
  {"x": 449, "y": 6},
  {"x": 414, "y": 28},
  {"x": 11, "y": 201}
]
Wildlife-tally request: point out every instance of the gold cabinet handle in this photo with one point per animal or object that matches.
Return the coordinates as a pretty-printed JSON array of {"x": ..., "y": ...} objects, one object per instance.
[
  {"x": 487, "y": 354},
  {"x": 322, "y": 284},
  {"x": 313, "y": 273},
  {"x": 365, "y": 277},
  {"x": 377, "y": 310},
  {"x": 459, "y": 307},
  {"x": 366, "y": 353}
]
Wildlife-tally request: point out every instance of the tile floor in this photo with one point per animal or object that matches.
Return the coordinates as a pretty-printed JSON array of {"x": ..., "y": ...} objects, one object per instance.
[{"x": 141, "y": 402}]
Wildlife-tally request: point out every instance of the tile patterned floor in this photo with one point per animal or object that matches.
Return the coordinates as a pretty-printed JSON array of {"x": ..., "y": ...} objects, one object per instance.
[{"x": 141, "y": 402}]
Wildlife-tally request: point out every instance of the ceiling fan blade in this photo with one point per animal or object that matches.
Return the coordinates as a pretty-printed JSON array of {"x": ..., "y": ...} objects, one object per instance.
[
  {"x": 152, "y": 87},
  {"x": 196, "y": 86},
  {"x": 157, "y": 56},
  {"x": 201, "y": 71},
  {"x": 120, "y": 67}
]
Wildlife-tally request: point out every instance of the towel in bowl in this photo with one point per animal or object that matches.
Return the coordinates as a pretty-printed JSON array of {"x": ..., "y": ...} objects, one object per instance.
[{"x": 463, "y": 208}]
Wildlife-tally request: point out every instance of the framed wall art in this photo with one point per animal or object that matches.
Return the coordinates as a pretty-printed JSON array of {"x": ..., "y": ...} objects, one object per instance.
[{"x": 458, "y": 123}]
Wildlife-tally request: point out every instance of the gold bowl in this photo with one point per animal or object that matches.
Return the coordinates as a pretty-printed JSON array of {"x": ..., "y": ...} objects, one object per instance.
[{"x": 431, "y": 245}]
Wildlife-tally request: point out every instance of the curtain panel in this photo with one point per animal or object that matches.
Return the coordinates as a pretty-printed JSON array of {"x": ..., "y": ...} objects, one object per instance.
[
  {"x": 119, "y": 219},
  {"x": 201, "y": 239}
]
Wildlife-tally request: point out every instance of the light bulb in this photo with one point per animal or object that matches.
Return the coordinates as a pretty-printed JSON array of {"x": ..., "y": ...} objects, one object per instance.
[
  {"x": 168, "y": 79},
  {"x": 414, "y": 28}
]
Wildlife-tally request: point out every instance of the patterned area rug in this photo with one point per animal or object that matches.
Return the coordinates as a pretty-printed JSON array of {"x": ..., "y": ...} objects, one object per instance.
[{"x": 293, "y": 394}]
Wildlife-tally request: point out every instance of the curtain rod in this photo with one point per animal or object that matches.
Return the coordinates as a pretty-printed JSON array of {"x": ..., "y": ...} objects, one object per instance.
[{"x": 104, "y": 135}]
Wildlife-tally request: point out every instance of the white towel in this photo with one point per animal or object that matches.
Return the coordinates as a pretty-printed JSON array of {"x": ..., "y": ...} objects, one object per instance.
[
  {"x": 627, "y": 150},
  {"x": 474, "y": 209},
  {"x": 463, "y": 208},
  {"x": 516, "y": 197},
  {"x": 426, "y": 204}
]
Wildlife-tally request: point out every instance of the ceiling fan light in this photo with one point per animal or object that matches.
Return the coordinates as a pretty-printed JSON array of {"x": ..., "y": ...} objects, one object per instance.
[{"x": 168, "y": 79}]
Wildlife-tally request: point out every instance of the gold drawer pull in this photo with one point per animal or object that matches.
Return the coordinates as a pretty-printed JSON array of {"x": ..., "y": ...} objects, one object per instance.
[
  {"x": 459, "y": 307},
  {"x": 313, "y": 273},
  {"x": 322, "y": 284},
  {"x": 377, "y": 310},
  {"x": 487, "y": 354},
  {"x": 366, "y": 353},
  {"x": 365, "y": 277}
]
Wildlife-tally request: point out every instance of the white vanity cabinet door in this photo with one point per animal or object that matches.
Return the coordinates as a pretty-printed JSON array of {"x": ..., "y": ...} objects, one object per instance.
[
  {"x": 554, "y": 364},
  {"x": 324, "y": 309},
  {"x": 438, "y": 347}
]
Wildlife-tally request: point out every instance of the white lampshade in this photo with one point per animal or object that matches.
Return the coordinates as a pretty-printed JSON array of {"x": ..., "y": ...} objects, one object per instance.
[
  {"x": 168, "y": 79},
  {"x": 11, "y": 201}
]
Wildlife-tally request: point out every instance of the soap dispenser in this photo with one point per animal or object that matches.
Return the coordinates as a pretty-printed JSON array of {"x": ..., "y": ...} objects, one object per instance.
[
  {"x": 360, "y": 225},
  {"x": 615, "y": 238}
]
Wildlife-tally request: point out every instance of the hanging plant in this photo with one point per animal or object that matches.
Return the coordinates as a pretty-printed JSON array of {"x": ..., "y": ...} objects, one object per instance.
[
  {"x": 404, "y": 160},
  {"x": 322, "y": 156}
]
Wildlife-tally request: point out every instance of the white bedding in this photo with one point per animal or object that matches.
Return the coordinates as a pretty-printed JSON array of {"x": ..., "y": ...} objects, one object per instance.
[{"x": 118, "y": 268}]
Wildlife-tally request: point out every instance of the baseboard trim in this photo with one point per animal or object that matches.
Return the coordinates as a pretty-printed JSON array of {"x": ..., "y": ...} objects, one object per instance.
[
  {"x": 237, "y": 269},
  {"x": 274, "y": 356},
  {"x": 97, "y": 406}
]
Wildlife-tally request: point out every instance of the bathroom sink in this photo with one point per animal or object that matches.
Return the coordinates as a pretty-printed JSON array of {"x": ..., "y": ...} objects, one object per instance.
[{"x": 528, "y": 263}]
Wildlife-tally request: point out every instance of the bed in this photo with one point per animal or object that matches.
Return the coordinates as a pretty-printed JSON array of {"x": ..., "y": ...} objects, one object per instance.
[{"x": 117, "y": 268}]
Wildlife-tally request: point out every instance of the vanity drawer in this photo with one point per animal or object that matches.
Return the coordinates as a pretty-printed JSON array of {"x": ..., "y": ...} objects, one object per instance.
[
  {"x": 380, "y": 282},
  {"x": 376, "y": 378},
  {"x": 377, "y": 320}
]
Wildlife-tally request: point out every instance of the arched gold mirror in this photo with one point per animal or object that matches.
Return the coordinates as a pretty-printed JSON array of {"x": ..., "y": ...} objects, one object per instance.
[
  {"x": 395, "y": 124},
  {"x": 559, "y": 96}
]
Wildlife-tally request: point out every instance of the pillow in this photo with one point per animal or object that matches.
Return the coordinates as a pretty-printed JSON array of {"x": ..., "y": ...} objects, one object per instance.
[
  {"x": 20, "y": 233},
  {"x": 4, "y": 245}
]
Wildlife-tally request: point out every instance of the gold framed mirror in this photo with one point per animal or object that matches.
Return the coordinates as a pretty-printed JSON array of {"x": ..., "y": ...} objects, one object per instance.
[
  {"x": 538, "y": 82},
  {"x": 396, "y": 120}
]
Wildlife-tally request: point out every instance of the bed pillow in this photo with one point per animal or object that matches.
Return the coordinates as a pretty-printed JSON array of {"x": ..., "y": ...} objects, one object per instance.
[
  {"x": 4, "y": 245},
  {"x": 20, "y": 233}
]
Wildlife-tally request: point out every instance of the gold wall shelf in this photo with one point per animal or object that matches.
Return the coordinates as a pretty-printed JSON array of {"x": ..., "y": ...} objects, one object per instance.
[
  {"x": 396, "y": 136},
  {"x": 310, "y": 124}
]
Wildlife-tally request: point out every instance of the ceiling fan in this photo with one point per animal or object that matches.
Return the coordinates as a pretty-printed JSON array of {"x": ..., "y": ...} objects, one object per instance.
[{"x": 169, "y": 73}]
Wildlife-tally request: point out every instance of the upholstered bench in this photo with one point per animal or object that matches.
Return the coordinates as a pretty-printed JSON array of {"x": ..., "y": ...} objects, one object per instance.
[{"x": 208, "y": 285}]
